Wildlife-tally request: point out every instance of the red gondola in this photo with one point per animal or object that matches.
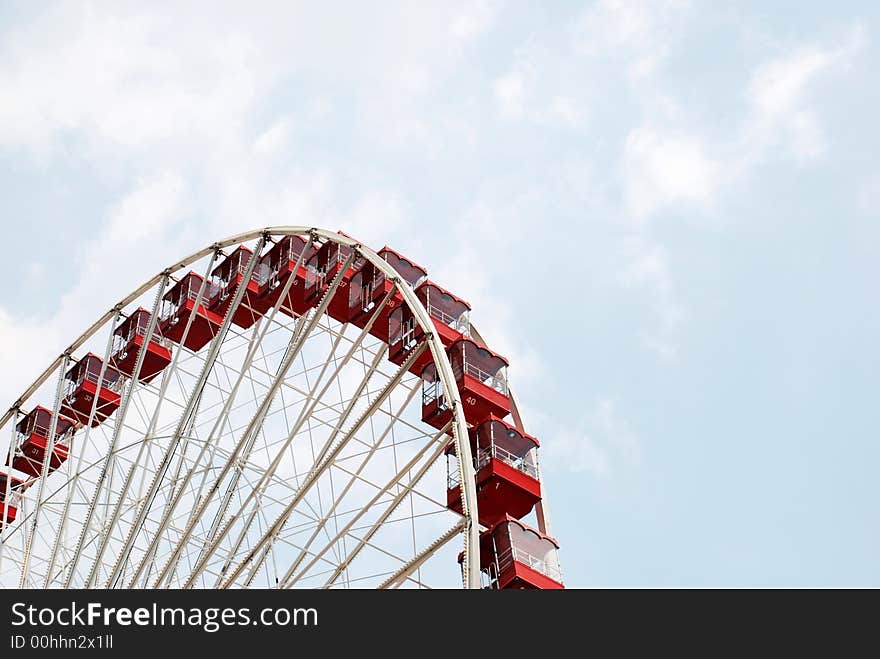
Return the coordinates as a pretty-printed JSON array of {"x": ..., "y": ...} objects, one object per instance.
[
  {"x": 449, "y": 313},
  {"x": 404, "y": 334},
  {"x": 516, "y": 556},
  {"x": 506, "y": 472},
  {"x": 32, "y": 441},
  {"x": 411, "y": 272},
  {"x": 179, "y": 305},
  {"x": 436, "y": 410},
  {"x": 280, "y": 262},
  {"x": 443, "y": 308},
  {"x": 481, "y": 377},
  {"x": 369, "y": 286},
  {"x": 130, "y": 337},
  {"x": 228, "y": 276},
  {"x": 84, "y": 386},
  {"x": 322, "y": 267},
  {"x": 9, "y": 507}
]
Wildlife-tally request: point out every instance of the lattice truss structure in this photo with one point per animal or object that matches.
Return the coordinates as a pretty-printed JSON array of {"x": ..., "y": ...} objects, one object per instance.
[{"x": 247, "y": 419}]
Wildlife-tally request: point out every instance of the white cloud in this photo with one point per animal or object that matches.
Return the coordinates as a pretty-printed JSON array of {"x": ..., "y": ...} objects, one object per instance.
[
  {"x": 275, "y": 138},
  {"x": 518, "y": 96},
  {"x": 639, "y": 30},
  {"x": 36, "y": 269},
  {"x": 473, "y": 19},
  {"x": 123, "y": 81},
  {"x": 648, "y": 270},
  {"x": 679, "y": 164},
  {"x": 669, "y": 163},
  {"x": 146, "y": 212},
  {"x": 376, "y": 217},
  {"x": 510, "y": 91},
  {"x": 565, "y": 109},
  {"x": 663, "y": 168},
  {"x": 807, "y": 137},
  {"x": 602, "y": 443},
  {"x": 778, "y": 86},
  {"x": 868, "y": 195},
  {"x": 126, "y": 78},
  {"x": 780, "y": 99},
  {"x": 32, "y": 343},
  {"x": 677, "y": 167}
]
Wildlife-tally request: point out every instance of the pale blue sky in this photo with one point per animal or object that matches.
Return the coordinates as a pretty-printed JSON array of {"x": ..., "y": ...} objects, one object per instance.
[{"x": 667, "y": 214}]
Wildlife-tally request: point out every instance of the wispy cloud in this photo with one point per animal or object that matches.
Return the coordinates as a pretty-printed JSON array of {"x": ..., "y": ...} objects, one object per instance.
[
  {"x": 520, "y": 96},
  {"x": 648, "y": 270},
  {"x": 641, "y": 32},
  {"x": 662, "y": 169},
  {"x": 783, "y": 111},
  {"x": 474, "y": 19},
  {"x": 868, "y": 195},
  {"x": 275, "y": 138},
  {"x": 676, "y": 167},
  {"x": 602, "y": 443}
]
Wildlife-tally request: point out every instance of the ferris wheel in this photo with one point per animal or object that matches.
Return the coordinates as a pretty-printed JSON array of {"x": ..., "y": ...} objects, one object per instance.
[{"x": 284, "y": 408}]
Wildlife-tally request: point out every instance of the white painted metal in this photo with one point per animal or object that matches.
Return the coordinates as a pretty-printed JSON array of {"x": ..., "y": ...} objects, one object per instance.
[
  {"x": 149, "y": 474},
  {"x": 62, "y": 527},
  {"x": 290, "y": 579},
  {"x": 258, "y": 337},
  {"x": 213, "y": 351},
  {"x": 418, "y": 560},
  {"x": 44, "y": 471},
  {"x": 328, "y": 454}
]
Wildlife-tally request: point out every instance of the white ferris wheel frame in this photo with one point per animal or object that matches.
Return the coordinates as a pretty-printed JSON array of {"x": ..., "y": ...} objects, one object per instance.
[{"x": 469, "y": 527}]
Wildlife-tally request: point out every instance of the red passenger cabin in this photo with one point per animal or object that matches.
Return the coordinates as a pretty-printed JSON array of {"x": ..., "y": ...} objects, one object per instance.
[
  {"x": 85, "y": 384},
  {"x": 481, "y": 377},
  {"x": 443, "y": 308},
  {"x": 180, "y": 304},
  {"x": 404, "y": 334},
  {"x": 449, "y": 313},
  {"x": 436, "y": 410},
  {"x": 227, "y": 277},
  {"x": 32, "y": 441},
  {"x": 130, "y": 337},
  {"x": 411, "y": 272},
  {"x": 322, "y": 267},
  {"x": 369, "y": 286},
  {"x": 280, "y": 263},
  {"x": 506, "y": 472},
  {"x": 9, "y": 505},
  {"x": 516, "y": 556}
]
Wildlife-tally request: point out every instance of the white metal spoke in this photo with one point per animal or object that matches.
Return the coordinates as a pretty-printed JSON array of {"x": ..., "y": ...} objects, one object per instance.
[
  {"x": 62, "y": 527},
  {"x": 324, "y": 464},
  {"x": 44, "y": 471},
  {"x": 404, "y": 572},
  {"x": 290, "y": 579},
  {"x": 438, "y": 451},
  {"x": 288, "y": 451},
  {"x": 297, "y": 343},
  {"x": 108, "y": 527},
  {"x": 188, "y": 415},
  {"x": 354, "y": 477}
]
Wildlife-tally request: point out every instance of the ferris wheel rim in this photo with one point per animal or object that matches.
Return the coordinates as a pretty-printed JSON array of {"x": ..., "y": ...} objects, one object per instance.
[{"x": 469, "y": 525}]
